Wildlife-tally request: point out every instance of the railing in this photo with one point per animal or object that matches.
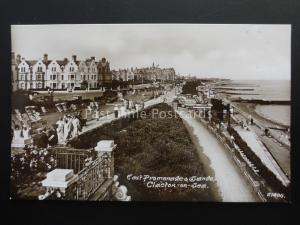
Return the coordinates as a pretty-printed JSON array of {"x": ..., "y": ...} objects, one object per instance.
[
  {"x": 90, "y": 179},
  {"x": 93, "y": 169},
  {"x": 69, "y": 158},
  {"x": 246, "y": 171}
]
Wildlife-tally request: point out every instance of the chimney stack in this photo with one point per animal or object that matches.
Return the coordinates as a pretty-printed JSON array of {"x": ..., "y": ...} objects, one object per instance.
[
  {"x": 45, "y": 59},
  {"x": 65, "y": 60},
  {"x": 74, "y": 58},
  {"x": 18, "y": 59},
  {"x": 13, "y": 59}
]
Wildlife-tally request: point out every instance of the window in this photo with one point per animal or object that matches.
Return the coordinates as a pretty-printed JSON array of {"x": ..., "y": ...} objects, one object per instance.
[{"x": 54, "y": 77}]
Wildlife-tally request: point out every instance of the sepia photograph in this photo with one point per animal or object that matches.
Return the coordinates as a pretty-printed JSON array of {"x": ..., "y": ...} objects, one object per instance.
[{"x": 151, "y": 112}]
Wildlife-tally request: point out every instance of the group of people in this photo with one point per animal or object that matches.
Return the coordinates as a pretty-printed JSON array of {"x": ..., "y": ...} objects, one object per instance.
[
  {"x": 20, "y": 131},
  {"x": 20, "y": 134},
  {"x": 127, "y": 105},
  {"x": 68, "y": 127}
]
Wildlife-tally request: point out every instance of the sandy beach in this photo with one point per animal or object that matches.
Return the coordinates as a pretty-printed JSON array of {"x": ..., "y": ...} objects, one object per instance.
[
  {"x": 278, "y": 113},
  {"x": 250, "y": 108}
]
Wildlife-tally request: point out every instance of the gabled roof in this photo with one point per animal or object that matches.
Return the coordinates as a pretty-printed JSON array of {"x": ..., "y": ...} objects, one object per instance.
[
  {"x": 89, "y": 62},
  {"x": 62, "y": 62},
  {"x": 48, "y": 62},
  {"x": 31, "y": 62}
]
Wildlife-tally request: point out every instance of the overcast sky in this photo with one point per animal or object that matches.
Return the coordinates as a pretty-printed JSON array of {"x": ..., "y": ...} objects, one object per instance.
[{"x": 225, "y": 51}]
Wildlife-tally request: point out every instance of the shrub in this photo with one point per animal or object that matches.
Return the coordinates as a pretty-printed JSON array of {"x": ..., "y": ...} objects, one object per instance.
[{"x": 153, "y": 146}]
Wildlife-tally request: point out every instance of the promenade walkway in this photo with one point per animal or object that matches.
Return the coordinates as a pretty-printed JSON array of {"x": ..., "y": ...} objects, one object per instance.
[
  {"x": 280, "y": 152},
  {"x": 232, "y": 184},
  {"x": 92, "y": 124},
  {"x": 260, "y": 150}
]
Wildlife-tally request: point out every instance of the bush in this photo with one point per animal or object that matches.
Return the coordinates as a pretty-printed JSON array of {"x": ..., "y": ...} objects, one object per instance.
[
  {"x": 26, "y": 165},
  {"x": 190, "y": 87},
  {"x": 153, "y": 146}
]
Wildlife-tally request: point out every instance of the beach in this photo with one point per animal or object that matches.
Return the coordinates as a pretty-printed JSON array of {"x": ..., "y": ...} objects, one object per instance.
[
  {"x": 251, "y": 108},
  {"x": 277, "y": 113}
]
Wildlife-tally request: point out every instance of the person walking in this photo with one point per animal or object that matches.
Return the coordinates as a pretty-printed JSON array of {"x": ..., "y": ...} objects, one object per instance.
[
  {"x": 76, "y": 126},
  {"x": 60, "y": 130},
  {"x": 42, "y": 140},
  {"x": 66, "y": 130},
  {"x": 116, "y": 110},
  {"x": 52, "y": 136},
  {"x": 97, "y": 115},
  {"x": 232, "y": 139},
  {"x": 69, "y": 128},
  {"x": 251, "y": 120}
]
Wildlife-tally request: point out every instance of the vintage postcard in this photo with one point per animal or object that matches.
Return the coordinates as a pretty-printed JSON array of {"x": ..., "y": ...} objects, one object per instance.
[{"x": 151, "y": 112}]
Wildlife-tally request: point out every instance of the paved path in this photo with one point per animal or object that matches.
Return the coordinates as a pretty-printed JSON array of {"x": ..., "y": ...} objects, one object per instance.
[
  {"x": 281, "y": 153},
  {"x": 259, "y": 149},
  {"x": 92, "y": 124},
  {"x": 262, "y": 124},
  {"x": 232, "y": 184}
]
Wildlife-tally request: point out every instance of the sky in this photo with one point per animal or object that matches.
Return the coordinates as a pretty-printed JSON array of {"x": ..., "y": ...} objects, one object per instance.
[{"x": 240, "y": 52}]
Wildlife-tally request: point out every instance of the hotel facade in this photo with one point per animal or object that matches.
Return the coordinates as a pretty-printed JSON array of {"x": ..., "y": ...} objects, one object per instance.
[
  {"x": 59, "y": 74},
  {"x": 71, "y": 73}
]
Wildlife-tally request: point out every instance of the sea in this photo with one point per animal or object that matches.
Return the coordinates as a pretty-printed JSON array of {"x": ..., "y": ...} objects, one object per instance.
[{"x": 267, "y": 90}]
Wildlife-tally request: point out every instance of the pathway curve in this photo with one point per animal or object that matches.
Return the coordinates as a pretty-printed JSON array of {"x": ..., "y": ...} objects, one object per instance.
[{"x": 232, "y": 184}]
